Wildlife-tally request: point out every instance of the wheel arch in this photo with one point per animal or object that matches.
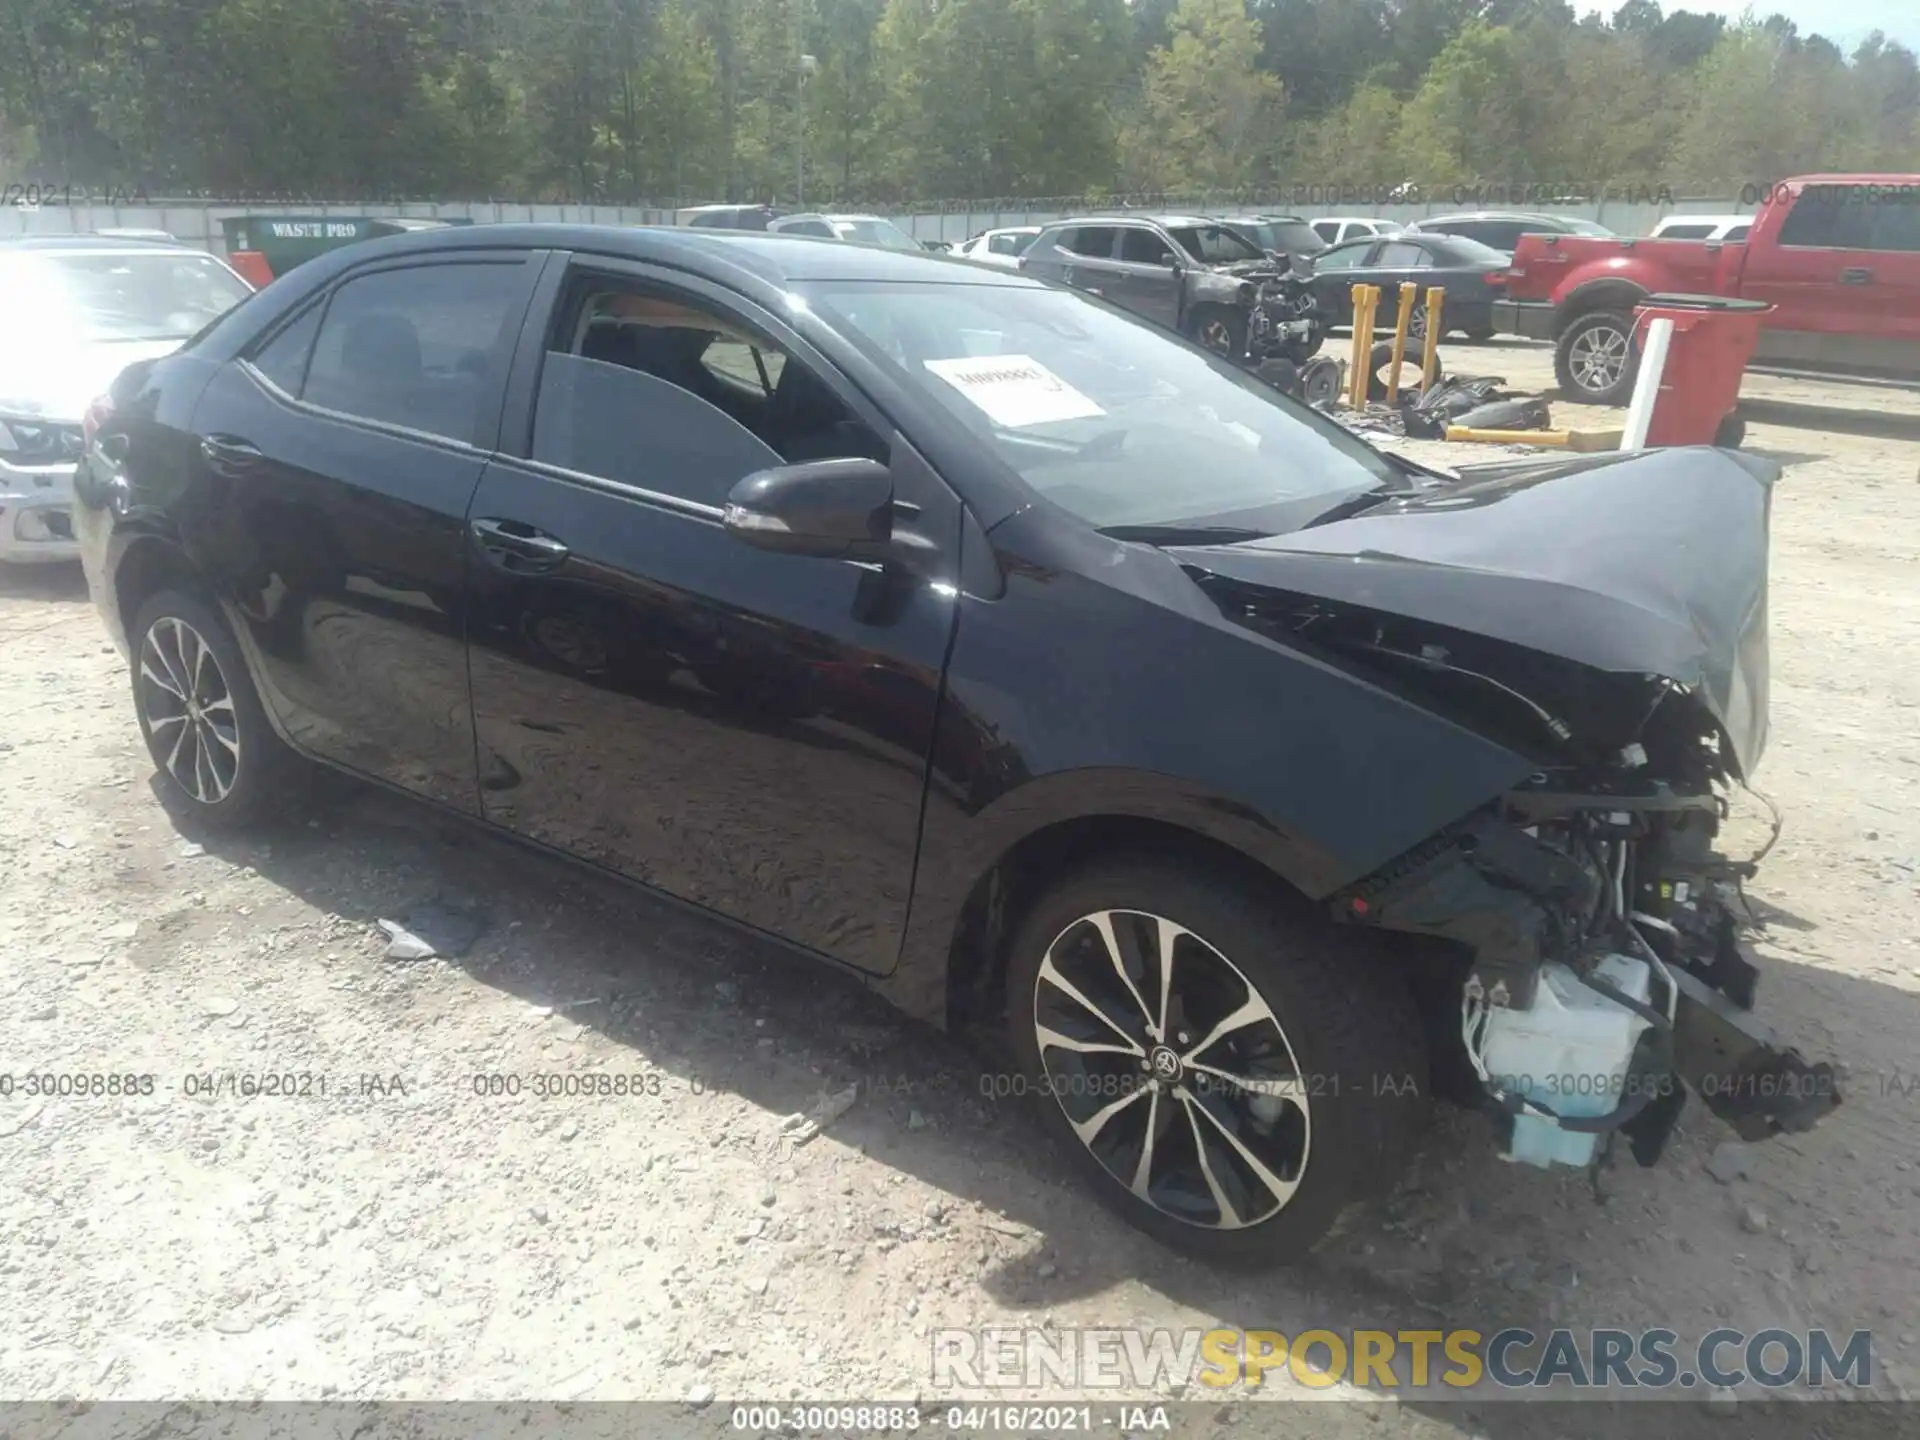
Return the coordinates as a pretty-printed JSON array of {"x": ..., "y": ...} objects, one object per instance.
[
  {"x": 953, "y": 968},
  {"x": 149, "y": 564},
  {"x": 1608, "y": 294}
]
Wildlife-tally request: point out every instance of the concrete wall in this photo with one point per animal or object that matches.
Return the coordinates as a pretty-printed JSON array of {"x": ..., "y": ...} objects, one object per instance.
[{"x": 199, "y": 223}]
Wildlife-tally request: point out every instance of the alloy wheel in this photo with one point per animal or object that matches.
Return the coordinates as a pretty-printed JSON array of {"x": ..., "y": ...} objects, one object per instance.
[
  {"x": 1216, "y": 335},
  {"x": 188, "y": 709},
  {"x": 1598, "y": 358},
  {"x": 1172, "y": 1069}
]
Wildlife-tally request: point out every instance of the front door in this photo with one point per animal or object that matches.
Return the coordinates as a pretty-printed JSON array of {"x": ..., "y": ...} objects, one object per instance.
[
  {"x": 744, "y": 730},
  {"x": 342, "y": 453}
]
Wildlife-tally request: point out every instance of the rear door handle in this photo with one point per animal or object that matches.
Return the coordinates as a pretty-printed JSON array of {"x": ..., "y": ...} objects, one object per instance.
[
  {"x": 1856, "y": 275},
  {"x": 515, "y": 546},
  {"x": 229, "y": 454}
]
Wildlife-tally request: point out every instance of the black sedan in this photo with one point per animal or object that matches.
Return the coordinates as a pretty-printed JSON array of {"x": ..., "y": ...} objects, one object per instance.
[
  {"x": 1035, "y": 666},
  {"x": 1472, "y": 275}
]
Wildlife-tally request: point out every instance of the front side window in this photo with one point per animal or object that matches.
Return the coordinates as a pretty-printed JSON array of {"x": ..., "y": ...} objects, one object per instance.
[
  {"x": 416, "y": 346},
  {"x": 1215, "y": 244},
  {"x": 1106, "y": 416},
  {"x": 1685, "y": 232},
  {"x": 1144, "y": 247},
  {"x": 1327, "y": 230},
  {"x": 817, "y": 228},
  {"x": 653, "y": 392}
]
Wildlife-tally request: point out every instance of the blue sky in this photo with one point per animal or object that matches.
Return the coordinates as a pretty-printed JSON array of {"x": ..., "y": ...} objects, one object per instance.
[{"x": 1845, "y": 22}]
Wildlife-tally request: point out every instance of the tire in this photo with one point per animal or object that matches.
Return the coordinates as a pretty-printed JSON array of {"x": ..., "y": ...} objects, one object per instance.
[
  {"x": 1348, "y": 1035},
  {"x": 1223, "y": 331},
  {"x": 1580, "y": 359},
  {"x": 1481, "y": 335},
  {"x": 1382, "y": 359},
  {"x": 220, "y": 761}
]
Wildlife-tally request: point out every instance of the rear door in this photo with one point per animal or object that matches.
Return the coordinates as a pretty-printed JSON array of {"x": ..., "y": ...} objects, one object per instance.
[
  {"x": 341, "y": 453},
  {"x": 743, "y": 730},
  {"x": 1084, "y": 257},
  {"x": 1143, "y": 276}
]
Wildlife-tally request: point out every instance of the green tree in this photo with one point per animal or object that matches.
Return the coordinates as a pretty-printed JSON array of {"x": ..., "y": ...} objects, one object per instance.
[
  {"x": 1467, "y": 120},
  {"x": 1209, "y": 117}
]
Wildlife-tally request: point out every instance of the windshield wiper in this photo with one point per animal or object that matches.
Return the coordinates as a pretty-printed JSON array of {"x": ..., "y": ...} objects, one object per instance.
[
  {"x": 1359, "y": 504},
  {"x": 1183, "y": 534}
]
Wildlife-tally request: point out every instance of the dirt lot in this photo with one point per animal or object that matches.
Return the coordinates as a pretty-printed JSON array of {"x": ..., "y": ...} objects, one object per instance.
[{"x": 400, "y": 1236}]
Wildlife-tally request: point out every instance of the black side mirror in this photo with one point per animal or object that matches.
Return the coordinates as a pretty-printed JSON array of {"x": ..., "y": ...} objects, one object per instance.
[{"x": 835, "y": 509}]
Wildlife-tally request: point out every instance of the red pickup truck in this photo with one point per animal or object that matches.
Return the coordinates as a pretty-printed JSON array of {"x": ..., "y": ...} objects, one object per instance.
[{"x": 1837, "y": 256}]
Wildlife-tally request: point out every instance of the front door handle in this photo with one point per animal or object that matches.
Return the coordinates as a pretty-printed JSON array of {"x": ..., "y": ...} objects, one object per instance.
[
  {"x": 1856, "y": 275},
  {"x": 516, "y": 546},
  {"x": 229, "y": 454}
]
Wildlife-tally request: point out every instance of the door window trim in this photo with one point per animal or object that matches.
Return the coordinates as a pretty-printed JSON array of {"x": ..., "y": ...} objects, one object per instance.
[{"x": 531, "y": 263}]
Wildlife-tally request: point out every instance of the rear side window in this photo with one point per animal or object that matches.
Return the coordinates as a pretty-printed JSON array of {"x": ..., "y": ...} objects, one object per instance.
[
  {"x": 1327, "y": 230},
  {"x": 817, "y": 228},
  {"x": 1008, "y": 244},
  {"x": 1400, "y": 255},
  {"x": 1094, "y": 241},
  {"x": 415, "y": 346},
  {"x": 1685, "y": 232},
  {"x": 283, "y": 359},
  {"x": 1896, "y": 224},
  {"x": 1738, "y": 232}
]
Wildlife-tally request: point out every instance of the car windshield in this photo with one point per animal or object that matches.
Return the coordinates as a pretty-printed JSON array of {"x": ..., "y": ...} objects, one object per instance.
[
  {"x": 1291, "y": 235},
  {"x": 883, "y": 233},
  {"x": 1107, "y": 417},
  {"x": 116, "y": 295},
  {"x": 1214, "y": 244}
]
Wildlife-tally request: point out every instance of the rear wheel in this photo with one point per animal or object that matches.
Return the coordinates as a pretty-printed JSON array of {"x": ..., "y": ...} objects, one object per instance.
[
  {"x": 219, "y": 760},
  {"x": 1594, "y": 360},
  {"x": 1227, "y": 1075}
]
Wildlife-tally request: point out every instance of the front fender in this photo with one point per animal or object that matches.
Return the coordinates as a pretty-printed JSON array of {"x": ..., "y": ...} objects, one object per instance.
[{"x": 1105, "y": 683}]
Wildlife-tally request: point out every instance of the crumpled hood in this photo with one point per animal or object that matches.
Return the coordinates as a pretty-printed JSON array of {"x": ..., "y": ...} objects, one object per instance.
[
  {"x": 1651, "y": 563},
  {"x": 56, "y": 379}
]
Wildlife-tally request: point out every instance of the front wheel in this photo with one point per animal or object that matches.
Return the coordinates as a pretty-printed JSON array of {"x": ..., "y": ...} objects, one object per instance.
[
  {"x": 219, "y": 760},
  {"x": 1222, "y": 331},
  {"x": 1594, "y": 360},
  {"x": 1228, "y": 1075}
]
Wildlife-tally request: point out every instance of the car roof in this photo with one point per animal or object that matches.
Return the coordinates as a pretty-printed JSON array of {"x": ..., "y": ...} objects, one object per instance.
[
  {"x": 1526, "y": 215},
  {"x": 1137, "y": 216},
  {"x": 724, "y": 256},
  {"x": 128, "y": 244}
]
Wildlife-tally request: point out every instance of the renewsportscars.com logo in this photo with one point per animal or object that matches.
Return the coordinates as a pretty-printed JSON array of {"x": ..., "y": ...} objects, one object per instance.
[{"x": 1509, "y": 1359}]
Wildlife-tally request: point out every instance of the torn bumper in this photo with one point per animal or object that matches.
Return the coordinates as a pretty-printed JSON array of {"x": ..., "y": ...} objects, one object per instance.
[{"x": 1553, "y": 887}]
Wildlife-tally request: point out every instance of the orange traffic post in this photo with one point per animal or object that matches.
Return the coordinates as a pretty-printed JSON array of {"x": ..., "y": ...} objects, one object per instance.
[
  {"x": 1365, "y": 299},
  {"x": 1430, "y": 353},
  {"x": 1408, "y": 295}
]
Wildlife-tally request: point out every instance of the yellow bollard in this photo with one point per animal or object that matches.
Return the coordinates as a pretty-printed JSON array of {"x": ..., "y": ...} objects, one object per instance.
[
  {"x": 1366, "y": 299},
  {"x": 1408, "y": 295},
  {"x": 1430, "y": 353}
]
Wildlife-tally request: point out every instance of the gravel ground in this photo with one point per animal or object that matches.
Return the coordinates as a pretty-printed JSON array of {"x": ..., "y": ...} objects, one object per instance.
[{"x": 387, "y": 1232}]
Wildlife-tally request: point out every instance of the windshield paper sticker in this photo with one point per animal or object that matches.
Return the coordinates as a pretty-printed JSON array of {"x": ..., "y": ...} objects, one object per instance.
[{"x": 1015, "y": 390}]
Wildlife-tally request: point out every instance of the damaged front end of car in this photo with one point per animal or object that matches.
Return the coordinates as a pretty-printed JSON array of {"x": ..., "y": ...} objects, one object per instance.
[{"x": 1603, "y": 972}]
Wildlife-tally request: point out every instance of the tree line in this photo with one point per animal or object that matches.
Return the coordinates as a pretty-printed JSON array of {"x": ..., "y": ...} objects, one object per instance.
[{"x": 887, "y": 101}]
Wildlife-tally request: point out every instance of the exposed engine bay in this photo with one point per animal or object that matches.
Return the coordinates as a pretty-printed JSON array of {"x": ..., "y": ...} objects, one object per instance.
[{"x": 1602, "y": 971}]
